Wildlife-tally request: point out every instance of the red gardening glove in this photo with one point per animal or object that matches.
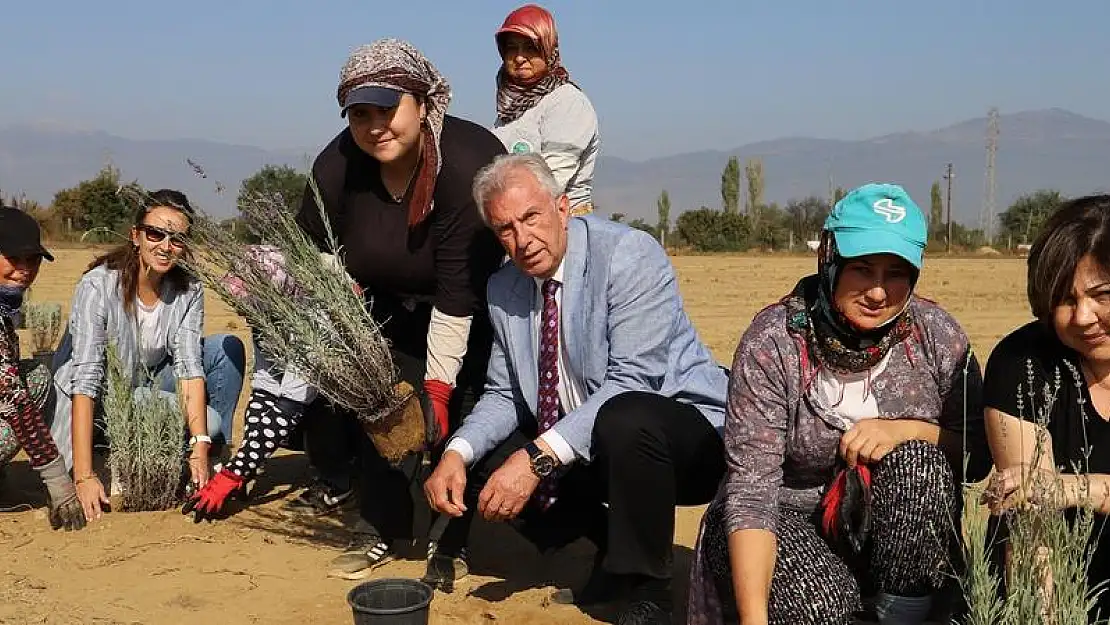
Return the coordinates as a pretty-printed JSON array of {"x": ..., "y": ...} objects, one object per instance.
[
  {"x": 440, "y": 395},
  {"x": 209, "y": 499}
]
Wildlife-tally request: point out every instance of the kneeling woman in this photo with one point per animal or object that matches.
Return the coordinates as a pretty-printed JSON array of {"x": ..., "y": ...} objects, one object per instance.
[
  {"x": 141, "y": 299},
  {"x": 1047, "y": 387},
  {"x": 396, "y": 187},
  {"x": 24, "y": 388},
  {"x": 848, "y": 376}
]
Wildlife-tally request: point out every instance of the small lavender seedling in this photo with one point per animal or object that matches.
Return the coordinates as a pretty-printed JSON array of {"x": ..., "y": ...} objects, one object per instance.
[
  {"x": 1047, "y": 554},
  {"x": 146, "y": 434},
  {"x": 44, "y": 320}
]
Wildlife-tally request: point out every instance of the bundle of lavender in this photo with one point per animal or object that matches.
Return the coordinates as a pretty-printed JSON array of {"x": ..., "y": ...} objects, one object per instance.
[{"x": 309, "y": 316}]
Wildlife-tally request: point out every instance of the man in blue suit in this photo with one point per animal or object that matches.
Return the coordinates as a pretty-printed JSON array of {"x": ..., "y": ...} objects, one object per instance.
[{"x": 602, "y": 409}]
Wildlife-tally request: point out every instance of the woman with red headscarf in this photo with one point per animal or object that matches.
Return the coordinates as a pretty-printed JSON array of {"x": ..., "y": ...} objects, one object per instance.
[{"x": 539, "y": 109}]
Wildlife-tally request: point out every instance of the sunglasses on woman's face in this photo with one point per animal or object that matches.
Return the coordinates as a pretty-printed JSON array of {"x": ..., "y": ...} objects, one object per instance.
[{"x": 156, "y": 235}]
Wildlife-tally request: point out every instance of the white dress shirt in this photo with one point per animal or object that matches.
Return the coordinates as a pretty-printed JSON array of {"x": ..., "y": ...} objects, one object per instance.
[{"x": 571, "y": 394}]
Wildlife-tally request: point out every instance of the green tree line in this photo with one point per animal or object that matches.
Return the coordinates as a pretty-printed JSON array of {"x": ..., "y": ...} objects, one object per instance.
[
  {"x": 100, "y": 209},
  {"x": 768, "y": 226}
]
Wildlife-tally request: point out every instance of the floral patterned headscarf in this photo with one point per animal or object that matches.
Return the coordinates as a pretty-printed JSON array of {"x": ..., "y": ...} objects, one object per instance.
[
  {"x": 537, "y": 24},
  {"x": 397, "y": 64}
]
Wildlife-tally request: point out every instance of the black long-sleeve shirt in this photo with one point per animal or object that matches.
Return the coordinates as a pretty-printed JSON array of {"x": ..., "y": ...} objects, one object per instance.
[{"x": 444, "y": 262}]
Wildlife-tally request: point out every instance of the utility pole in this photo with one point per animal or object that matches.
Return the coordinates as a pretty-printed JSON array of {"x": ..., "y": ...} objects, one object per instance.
[
  {"x": 832, "y": 191},
  {"x": 986, "y": 216},
  {"x": 948, "y": 175}
]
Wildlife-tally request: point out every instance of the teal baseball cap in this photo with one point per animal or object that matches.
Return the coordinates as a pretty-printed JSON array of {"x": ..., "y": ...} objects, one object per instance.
[{"x": 879, "y": 219}]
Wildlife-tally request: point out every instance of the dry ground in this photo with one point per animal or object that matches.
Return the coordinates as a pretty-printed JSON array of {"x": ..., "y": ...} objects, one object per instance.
[{"x": 257, "y": 567}]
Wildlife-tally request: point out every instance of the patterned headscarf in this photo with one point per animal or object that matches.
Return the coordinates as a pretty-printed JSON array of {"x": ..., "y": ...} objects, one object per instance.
[
  {"x": 397, "y": 64},
  {"x": 829, "y": 335},
  {"x": 538, "y": 25}
]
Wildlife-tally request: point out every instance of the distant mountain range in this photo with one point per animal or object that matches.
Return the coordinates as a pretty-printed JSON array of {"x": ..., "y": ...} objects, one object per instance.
[{"x": 1036, "y": 149}]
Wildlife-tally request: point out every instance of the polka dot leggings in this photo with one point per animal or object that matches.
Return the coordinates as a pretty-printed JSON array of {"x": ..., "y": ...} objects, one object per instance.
[{"x": 269, "y": 421}]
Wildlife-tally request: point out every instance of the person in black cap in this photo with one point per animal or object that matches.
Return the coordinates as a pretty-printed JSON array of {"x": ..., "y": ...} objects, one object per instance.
[
  {"x": 24, "y": 387},
  {"x": 395, "y": 185}
]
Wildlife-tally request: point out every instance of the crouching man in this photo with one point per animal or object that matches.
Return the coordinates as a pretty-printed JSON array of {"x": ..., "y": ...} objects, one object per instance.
[{"x": 602, "y": 409}]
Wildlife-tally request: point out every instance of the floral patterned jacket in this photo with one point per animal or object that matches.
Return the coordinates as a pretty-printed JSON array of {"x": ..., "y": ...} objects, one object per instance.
[
  {"x": 20, "y": 409},
  {"x": 782, "y": 442}
]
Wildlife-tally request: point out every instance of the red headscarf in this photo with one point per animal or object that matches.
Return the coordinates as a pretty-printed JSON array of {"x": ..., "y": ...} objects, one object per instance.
[{"x": 538, "y": 25}]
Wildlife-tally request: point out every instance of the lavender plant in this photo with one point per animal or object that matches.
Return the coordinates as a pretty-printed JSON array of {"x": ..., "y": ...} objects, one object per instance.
[
  {"x": 1047, "y": 550},
  {"x": 44, "y": 320},
  {"x": 145, "y": 431}
]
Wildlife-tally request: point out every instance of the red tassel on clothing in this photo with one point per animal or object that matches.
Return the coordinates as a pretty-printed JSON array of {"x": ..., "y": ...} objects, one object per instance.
[
  {"x": 847, "y": 502},
  {"x": 831, "y": 504}
]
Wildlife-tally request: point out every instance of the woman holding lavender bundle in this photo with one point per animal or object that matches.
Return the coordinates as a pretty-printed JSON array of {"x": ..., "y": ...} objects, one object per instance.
[
  {"x": 140, "y": 298},
  {"x": 1047, "y": 384},
  {"x": 25, "y": 388},
  {"x": 396, "y": 189},
  {"x": 844, "y": 438}
]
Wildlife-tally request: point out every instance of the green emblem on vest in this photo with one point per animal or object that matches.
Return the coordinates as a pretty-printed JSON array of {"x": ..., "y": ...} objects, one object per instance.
[{"x": 522, "y": 147}]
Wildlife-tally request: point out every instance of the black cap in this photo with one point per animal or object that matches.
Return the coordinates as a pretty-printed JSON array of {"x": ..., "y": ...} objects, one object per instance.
[
  {"x": 384, "y": 97},
  {"x": 20, "y": 235}
]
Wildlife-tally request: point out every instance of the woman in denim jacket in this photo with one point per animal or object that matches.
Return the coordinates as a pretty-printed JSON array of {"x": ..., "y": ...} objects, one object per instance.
[{"x": 141, "y": 299}]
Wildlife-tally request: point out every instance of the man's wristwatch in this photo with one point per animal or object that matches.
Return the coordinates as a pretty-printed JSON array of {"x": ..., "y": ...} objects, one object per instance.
[{"x": 542, "y": 464}]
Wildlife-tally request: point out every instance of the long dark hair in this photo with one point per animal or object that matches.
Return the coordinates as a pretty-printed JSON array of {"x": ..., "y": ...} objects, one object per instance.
[{"x": 124, "y": 258}]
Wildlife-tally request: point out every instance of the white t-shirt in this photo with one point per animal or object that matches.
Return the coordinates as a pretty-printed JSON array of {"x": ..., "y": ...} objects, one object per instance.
[
  {"x": 152, "y": 339},
  {"x": 849, "y": 395}
]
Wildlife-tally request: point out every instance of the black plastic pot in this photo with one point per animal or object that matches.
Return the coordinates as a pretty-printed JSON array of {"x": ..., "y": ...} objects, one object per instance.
[{"x": 391, "y": 602}]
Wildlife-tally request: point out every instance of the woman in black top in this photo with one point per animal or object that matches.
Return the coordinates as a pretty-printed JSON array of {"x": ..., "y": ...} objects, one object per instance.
[
  {"x": 396, "y": 187},
  {"x": 1049, "y": 381}
]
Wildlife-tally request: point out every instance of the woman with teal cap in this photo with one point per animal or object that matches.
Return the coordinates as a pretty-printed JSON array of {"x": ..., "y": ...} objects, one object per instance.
[{"x": 850, "y": 401}]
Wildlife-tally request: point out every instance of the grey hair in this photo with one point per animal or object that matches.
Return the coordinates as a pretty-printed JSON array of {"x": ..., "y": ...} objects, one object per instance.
[{"x": 493, "y": 179}]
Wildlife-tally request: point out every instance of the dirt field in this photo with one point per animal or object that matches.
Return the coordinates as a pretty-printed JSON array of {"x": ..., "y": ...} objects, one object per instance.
[{"x": 257, "y": 567}]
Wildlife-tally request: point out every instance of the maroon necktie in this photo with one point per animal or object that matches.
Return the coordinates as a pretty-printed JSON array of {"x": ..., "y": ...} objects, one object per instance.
[{"x": 549, "y": 407}]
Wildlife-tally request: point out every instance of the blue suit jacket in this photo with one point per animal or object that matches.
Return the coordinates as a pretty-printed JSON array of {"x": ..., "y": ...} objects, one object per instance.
[{"x": 624, "y": 327}]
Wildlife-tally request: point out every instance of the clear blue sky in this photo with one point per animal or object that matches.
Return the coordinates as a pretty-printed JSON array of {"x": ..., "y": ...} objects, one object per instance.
[{"x": 666, "y": 77}]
